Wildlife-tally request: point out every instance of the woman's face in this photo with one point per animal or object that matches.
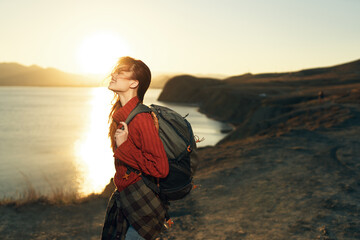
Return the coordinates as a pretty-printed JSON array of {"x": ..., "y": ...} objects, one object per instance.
[{"x": 121, "y": 80}]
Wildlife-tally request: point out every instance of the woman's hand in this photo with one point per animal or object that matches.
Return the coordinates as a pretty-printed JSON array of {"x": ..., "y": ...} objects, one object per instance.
[{"x": 121, "y": 135}]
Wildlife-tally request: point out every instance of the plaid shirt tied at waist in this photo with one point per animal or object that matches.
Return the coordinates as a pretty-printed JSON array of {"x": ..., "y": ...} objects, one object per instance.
[{"x": 136, "y": 205}]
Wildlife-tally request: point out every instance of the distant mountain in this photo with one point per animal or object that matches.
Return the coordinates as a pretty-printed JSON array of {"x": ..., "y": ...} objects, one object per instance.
[
  {"x": 160, "y": 79},
  {"x": 14, "y": 74},
  {"x": 254, "y": 102},
  {"x": 342, "y": 72},
  {"x": 198, "y": 90},
  {"x": 188, "y": 89}
]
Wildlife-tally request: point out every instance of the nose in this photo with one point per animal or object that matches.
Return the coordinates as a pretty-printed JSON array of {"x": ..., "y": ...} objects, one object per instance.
[{"x": 113, "y": 76}]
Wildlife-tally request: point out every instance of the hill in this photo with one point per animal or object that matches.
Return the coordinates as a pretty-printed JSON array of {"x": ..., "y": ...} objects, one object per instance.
[
  {"x": 14, "y": 74},
  {"x": 257, "y": 103},
  {"x": 342, "y": 72},
  {"x": 289, "y": 170}
]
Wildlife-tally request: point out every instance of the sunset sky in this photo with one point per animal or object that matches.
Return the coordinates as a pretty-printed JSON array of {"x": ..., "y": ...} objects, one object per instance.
[{"x": 228, "y": 37}]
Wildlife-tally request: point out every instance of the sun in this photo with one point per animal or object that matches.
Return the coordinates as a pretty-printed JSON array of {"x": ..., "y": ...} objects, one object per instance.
[{"x": 99, "y": 52}]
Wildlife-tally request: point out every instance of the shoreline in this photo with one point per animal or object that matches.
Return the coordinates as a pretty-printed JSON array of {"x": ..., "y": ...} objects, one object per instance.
[
  {"x": 290, "y": 170},
  {"x": 264, "y": 187}
]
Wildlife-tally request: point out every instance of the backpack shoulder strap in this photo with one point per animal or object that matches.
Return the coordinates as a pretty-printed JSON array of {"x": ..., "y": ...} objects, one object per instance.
[{"x": 140, "y": 108}]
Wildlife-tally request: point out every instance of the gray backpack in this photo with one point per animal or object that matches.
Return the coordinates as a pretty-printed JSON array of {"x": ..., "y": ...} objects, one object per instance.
[{"x": 180, "y": 146}]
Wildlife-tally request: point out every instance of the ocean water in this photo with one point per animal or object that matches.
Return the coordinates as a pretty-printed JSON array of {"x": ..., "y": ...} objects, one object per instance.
[{"x": 55, "y": 138}]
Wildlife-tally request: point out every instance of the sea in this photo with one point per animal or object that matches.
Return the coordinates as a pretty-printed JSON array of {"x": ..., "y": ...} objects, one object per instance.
[{"x": 55, "y": 139}]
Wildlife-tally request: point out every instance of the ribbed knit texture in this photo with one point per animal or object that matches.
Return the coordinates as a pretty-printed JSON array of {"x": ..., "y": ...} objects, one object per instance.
[{"x": 143, "y": 150}]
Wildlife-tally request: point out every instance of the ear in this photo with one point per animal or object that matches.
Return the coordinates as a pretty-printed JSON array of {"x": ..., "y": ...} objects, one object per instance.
[{"x": 134, "y": 84}]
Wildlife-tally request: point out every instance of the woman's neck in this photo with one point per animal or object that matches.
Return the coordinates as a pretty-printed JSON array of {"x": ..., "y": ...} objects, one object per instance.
[{"x": 125, "y": 97}]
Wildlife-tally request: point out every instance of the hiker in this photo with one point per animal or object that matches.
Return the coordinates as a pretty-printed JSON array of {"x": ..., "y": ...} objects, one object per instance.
[
  {"x": 320, "y": 96},
  {"x": 134, "y": 211}
]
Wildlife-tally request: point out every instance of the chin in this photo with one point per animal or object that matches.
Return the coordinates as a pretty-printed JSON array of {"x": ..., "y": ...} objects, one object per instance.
[{"x": 110, "y": 88}]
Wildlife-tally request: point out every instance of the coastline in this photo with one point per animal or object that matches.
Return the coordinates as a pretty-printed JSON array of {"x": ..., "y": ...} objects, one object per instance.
[
  {"x": 297, "y": 185},
  {"x": 290, "y": 170}
]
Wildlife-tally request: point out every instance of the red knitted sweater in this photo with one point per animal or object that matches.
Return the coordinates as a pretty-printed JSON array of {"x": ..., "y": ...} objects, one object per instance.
[{"x": 143, "y": 150}]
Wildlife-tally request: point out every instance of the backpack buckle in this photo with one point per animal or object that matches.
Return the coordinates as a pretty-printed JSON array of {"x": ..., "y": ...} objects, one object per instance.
[
  {"x": 126, "y": 176},
  {"x": 189, "y": 149},
  {"x": 168, "y": 224}
]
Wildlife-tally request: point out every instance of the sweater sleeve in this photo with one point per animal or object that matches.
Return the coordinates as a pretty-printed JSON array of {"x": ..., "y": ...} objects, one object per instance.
[{"x": 149, "y": 157}]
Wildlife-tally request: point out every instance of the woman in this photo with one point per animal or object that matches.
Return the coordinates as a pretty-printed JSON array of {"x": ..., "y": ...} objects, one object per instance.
[{"x": 134, "y": 211}]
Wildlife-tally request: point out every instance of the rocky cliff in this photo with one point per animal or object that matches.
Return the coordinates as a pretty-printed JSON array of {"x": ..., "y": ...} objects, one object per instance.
[{"x": 258, "y": 104}]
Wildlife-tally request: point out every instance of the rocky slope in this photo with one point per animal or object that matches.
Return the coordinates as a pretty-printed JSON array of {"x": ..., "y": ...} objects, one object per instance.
[
  {"x": 290, "y": 170},
  {"x": 256, "y": 104}
]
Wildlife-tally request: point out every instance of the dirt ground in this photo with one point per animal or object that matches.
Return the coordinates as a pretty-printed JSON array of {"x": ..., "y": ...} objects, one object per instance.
[{"x": 300, "y": 185}]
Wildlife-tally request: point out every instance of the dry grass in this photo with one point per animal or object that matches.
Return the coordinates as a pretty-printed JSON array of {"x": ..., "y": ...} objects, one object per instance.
[{"x": 58, "y": 196}]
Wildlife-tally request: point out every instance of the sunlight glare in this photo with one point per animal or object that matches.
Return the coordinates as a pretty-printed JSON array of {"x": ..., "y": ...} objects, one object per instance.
[
  {"x": 99, "y": 52},
  {"x": 94, "y": 155}
]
